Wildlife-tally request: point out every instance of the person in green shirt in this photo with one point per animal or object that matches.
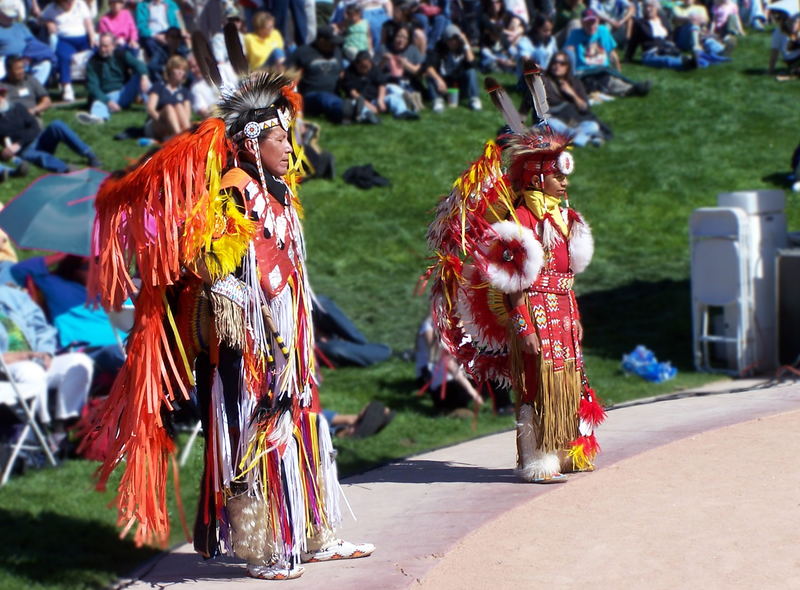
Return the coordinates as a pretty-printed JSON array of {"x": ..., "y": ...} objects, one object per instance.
[{"x": 113, "y": 78}]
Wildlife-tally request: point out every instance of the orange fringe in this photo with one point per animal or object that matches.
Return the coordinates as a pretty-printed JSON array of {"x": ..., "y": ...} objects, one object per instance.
[{"x": 154, "y": 219}]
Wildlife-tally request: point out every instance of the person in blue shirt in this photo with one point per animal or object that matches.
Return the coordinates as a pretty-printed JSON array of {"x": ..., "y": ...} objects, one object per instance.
[
  {"x": 594, "y": 52},
  {"x": 64, "y": 292},
  {"x": 28, "y": 344},
  {"x": 17, "y": 39}
]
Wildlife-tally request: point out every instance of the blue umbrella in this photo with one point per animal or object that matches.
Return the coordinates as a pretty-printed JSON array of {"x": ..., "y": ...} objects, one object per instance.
[{"x": 55, "y": 212}]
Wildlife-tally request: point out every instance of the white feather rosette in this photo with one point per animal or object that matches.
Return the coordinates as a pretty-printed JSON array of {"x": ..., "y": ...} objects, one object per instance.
[
  {"x": 581, "y": 245},
  {"x": 511, "y": 257}
]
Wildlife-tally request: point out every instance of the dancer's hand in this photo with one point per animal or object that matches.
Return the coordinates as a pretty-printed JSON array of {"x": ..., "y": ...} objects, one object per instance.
[
  {"x": 530, "y": 344},
  {"x": 579, "y": 330}
]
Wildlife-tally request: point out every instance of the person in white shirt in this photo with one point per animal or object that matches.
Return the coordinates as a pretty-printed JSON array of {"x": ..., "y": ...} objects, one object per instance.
[{"x": 69, "y": 23}]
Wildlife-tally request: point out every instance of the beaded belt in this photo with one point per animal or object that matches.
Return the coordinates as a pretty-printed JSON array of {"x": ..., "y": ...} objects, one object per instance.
[{"x": 559, "y": 283}]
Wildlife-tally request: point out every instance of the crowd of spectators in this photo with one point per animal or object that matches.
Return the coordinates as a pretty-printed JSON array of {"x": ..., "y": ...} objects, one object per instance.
[{"x": 358, "y": 59}]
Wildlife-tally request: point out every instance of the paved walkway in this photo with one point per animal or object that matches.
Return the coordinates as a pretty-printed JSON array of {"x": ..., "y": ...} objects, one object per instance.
[{"x": 697, "y": 490}]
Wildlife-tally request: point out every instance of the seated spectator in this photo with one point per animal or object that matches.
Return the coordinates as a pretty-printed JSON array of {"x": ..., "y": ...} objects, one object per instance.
[
  {"x": 25, "y": 89},
  {"x": 569, "y": 104},
  {"x": 321, "y": 68},
  {"x": 568, "y": 18},
  {"x": 436, "y": 371},
  {"x": 300, "y": 32},
  {"x": 652, "y": 33},
  {"x": 28, "y": 345},
  {"x": 376, "y": 13},
  {"x": 403, "y": 17},
  {"x": 692, "y": 34},
  {"x": 154, "y": 18},
  {"x": 543, "y": 42},
  {"x": 363, "y": 78},
  {"x": 468, "y": 18},
  {"x": 432, "y": 16},
  {"x": 363, "y": 81},
  {"x": 69, "y": 24},
  {"x": 505, "y": 44},
  {"x": 15, "y": 9},
  {"x": 118, "y": 21},
  {"x": 617, "y": 15},
  {"x": 17, "y": 40},
  {"x": 452, "y": 72},
  {"x": 28, "y": 141},
  {"x": 725, "y": 19},
  {"x": 402, "y": 63},
  {"x": 175, "y": 46},
  {"x": 784, "y": 43},
  {"x": 114, "y": 77},
  {"x": 594, "y": 54},
  {"x": 264, "y": 46},
  {"x": 77, "y": 324},
  {"x": 372, "y": 418},
  {"x": 169, "y": 103},
  {"x": 8, "y": 257},
  {"x": 356, "y": 33},
  {"x": 204, "y": 95}
]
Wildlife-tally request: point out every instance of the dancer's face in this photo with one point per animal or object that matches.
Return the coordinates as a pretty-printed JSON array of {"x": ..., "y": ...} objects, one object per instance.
[
  {"x": 554, "y": 185},
  {"x": 275, "y": 149}
]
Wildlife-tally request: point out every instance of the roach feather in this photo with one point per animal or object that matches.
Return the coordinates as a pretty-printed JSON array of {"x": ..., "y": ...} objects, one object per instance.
[
  {"x": 533, "y": 80},
  {"x": 205, "y": 59},
  {"x": 235, "y": 51},
  {"x": 503, "y": 103}
]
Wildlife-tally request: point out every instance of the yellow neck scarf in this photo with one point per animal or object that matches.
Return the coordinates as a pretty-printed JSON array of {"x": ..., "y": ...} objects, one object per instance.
[{"x": 541, "y": 204}]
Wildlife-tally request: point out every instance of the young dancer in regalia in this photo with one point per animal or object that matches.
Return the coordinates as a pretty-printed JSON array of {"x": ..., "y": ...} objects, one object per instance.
[{"x": 507, "y": 251}]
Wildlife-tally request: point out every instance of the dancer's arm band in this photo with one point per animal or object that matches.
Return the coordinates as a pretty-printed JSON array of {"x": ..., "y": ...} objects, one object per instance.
[{"x": 521, "y": 320}]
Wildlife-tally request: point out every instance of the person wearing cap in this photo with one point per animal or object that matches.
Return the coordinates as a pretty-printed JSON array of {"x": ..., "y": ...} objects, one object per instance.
[
  {"x": 23, "y": 138},
  {"x": 452, "y": 72},
  {"x": 597, "y": 63},
  {"x": 264, "y": 47},
  {"x": 321, "y": 68}
]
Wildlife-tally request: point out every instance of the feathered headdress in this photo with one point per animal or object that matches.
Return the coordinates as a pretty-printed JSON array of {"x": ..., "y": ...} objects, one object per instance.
[
  {"x": 263, "y": 100},
  {"x": 534, "y": 151}
]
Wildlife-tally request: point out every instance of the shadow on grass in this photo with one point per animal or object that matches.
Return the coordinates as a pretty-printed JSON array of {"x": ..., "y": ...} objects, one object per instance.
[
  {"x": 657, "y": 314},
  {"x": 780, "y": 179},
  {"x": 420, "y": 471},
  {"x": 53, "y": 549}
]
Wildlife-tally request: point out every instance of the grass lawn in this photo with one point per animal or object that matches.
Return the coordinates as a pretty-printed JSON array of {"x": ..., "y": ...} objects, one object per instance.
[{"x": 697, "y": 134}]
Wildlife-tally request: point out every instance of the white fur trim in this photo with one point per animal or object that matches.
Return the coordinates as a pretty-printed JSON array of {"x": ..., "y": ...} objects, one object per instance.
[
  {"x": 540, "y": 466},
  {"x": 532, "y": 463},
  {"x": 509, "y": 282},
  {"x": 581, "y": 245}
]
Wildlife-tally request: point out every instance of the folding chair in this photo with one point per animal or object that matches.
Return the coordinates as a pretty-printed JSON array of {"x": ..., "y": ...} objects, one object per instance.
[
  {"x": 25, "y": 412},
  {"x": 720, "y": 280}
]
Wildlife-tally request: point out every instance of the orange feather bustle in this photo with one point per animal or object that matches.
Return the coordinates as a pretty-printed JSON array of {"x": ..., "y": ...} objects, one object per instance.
[{"x": 155, "y": 219}]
